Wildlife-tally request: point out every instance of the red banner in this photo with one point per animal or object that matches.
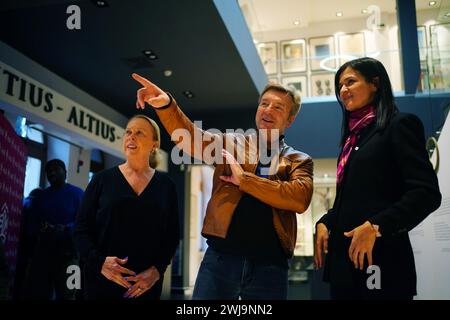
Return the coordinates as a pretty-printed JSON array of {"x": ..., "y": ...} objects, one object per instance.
[{"x": 12, "y": 176}]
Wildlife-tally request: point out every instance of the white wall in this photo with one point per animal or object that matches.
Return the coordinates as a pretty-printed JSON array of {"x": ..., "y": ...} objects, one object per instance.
[
  {"x": 431, "y": 239},
  {"x": 70, "y": 155},
  {"x": 78, "y": 167}
]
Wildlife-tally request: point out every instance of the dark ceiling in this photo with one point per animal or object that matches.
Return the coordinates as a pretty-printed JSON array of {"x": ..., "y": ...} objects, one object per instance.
[{"x": 188, "y": 36}]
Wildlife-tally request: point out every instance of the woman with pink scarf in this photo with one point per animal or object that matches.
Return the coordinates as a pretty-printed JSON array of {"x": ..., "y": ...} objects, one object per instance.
[{"x": 385, "y": 187}]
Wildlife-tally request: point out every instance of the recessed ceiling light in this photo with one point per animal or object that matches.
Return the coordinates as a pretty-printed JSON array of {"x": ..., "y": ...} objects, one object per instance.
[
  {"x": 167, "y": 73},
  {"x": 432, "y": 3},
  {"x": 364, "y": 11},
  {"x": 101, "y": 4},
  {"x": 296, "y": 22},
  {"x": 150, "y": 54},
  {"x": 338, "y": 14},
  {"x": 188, "y": 94}
]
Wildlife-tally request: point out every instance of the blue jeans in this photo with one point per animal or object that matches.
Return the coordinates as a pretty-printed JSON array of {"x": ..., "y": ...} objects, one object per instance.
[{"x": 228, "y": 277}]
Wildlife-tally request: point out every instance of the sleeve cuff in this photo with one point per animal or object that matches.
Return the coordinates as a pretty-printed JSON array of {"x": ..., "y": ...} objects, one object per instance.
[
  {"x": 96, "y": 262},
  {"x": 171, "y": 100},
  {"x": 161, "y": 269}
]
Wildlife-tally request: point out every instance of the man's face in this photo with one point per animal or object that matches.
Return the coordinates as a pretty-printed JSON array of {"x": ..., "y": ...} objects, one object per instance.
[
  {"x": 56, "y": 175},
  {"x": 274, "y": 111}
]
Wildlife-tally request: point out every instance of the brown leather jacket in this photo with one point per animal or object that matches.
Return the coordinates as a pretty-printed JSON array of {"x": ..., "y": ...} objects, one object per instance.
[{"x": 288, "y": 191}]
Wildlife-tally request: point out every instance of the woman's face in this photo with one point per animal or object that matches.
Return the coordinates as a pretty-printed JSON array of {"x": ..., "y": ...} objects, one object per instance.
[
  {"x": 138, "y": 139},
  {"x": 355, "y": 92}
]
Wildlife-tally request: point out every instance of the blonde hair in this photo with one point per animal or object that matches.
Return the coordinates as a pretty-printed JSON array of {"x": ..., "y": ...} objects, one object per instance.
[
  {"x": 290, "y": 91},
  {"x": 155, "y": 155}
]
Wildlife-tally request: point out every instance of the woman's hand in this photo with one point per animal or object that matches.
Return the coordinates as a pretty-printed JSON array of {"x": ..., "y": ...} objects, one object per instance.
[
  {"x": 142, "y": 282},
  {"x": 321, "y": 246},
  {"x": 150, "y": 93},
  {"x": 236, "y": 169},
  {"x": 113, "y": 271},
  {"x": 362, "y": 244}
]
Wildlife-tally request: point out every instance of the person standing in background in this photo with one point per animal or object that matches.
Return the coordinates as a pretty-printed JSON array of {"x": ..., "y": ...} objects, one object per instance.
[{"x": 57, "y": 208}]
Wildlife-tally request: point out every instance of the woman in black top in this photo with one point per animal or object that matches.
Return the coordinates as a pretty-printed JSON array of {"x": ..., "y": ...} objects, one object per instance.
[
  {"x": 127, "y": 229},
  {"x": 385, "y": 187}
]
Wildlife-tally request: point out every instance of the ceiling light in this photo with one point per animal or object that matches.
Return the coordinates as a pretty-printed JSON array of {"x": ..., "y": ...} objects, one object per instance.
[
  {"x": 338, "y": 14},
  {"x": 432, "y": 3},
  {"x": 296, "y": 22},
  {"x": 150, "y": 54},
  {"x": 364, "y": 11},
  {"x": 188, "y": 94},
  {"x": 167, "y": 73},
  {"x": 101, "y": 4}
]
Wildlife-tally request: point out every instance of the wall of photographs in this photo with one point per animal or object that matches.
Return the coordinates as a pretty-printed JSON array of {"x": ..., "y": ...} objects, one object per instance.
[
  {"x": 309, "y": 64},
  {"x": 434, "y": 51}
]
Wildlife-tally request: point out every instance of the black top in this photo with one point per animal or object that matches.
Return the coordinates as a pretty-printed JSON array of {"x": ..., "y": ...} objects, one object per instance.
[
  {"x": 388, "y": 181},
  {"x": 114, "y": 221},
  {"x": 251, "y": 233}
]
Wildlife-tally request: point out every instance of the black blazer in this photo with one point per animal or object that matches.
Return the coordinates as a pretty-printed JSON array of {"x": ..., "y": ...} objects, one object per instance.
[{"x": 389, "y": 181}]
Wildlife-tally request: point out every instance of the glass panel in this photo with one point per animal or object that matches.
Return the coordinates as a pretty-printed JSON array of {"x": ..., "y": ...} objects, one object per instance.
[
  {"x": 32, "y": 175},
  {"x": 313, "y": 40}
]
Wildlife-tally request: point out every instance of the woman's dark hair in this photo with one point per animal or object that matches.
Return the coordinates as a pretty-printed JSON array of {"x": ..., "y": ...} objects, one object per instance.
[{"x": 374, "y": 72}]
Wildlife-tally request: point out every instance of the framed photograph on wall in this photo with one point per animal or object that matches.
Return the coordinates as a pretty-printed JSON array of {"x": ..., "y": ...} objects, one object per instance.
[
  {"x": 322, "y": 84},
  {"x": 322, "y": 49},
  {"x": 268, "y": 54},
  {"x": 440, "y": 53},
  {"x": 440, "y": 41},
  {"x": 293, "y": 55},
  {"x": 298, "y": 83},
  {"x": 440, "y": 75},
  {"x": 422, "y": 42},
  {"x": 424, "y": 83},
  {"x": 351, "y": 46}
]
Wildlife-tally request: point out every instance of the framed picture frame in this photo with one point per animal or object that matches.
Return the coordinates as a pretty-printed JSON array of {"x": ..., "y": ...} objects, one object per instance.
[
  {"x": 439, "y": 77},
  {"x": 322, "y": 84},
  {"x": 298, "y": 83},
  {"x": 322, "y": 49},
  {"x": 351, "y": 46},
  {"x": 293, "y": 55},
  {"x": 422, "y": 42},
  {"x": 424, "y": 83},
  {"x": 269, "y": 56},
  {"x": 440, "y": 41}
]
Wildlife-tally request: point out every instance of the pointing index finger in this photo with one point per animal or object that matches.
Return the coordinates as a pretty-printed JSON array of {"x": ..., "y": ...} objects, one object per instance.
[{"x": 145, "y": 82}]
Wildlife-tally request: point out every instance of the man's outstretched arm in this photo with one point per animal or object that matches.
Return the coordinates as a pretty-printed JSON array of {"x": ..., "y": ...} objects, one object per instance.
[{"x": 180, "y": 128}]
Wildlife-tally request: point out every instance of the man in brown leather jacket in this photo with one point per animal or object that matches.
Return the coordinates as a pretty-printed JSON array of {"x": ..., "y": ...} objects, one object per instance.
[{"x": 250, "y": 221}]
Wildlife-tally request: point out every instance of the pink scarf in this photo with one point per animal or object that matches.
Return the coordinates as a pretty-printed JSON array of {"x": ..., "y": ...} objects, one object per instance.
[{"x": 358, "y": 120}]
